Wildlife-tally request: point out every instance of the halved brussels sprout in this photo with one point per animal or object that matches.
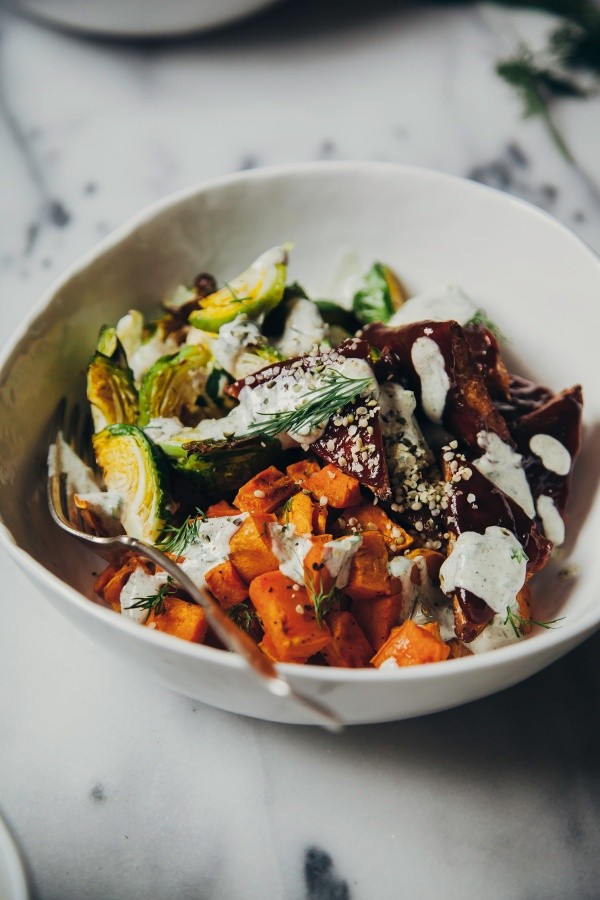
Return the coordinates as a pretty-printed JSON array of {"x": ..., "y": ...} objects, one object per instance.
[
  {"x": 174, "y": 385},
  {"x": 380, "y": 295},
  {"x": 219, "y": 468},
  {"x": 111, "y": 393},
  {"x": 255, "y": 291},
  {"x": 135, "y": 470}
]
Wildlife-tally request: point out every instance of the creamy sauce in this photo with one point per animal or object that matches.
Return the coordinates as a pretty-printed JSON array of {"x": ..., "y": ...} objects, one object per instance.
[
  {"x": 230, "y": 346},
  {"x": 439, "y": 305},
  {"x": 304, "y": 329},
  {"x": 496, "y": 634},
  {"x": 290, "y": 390},
  {"x": 492, "y": 566},
  {"x": 140, "y": 585},
  {"x": 552, "y": 523},
  {"x": 337, "y": 556},
  {"x": 400, "y": 429},
  {"x": 62, "y": 458},
  {"x": 290, "y": 549},
  {"x": 150, "y": 352},
  {"x": 161, "y": 428},
  {"x": 431, "y": 368},
  {"x": 503, "y": 466},
  {"x": 209, "y": 550},
  {"x": 422, "y": 599},
  {"x": 554, "y": 456}
]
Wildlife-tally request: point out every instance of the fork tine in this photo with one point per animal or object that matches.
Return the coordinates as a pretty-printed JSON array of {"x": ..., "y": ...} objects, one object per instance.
[
  {"x": 84, "y": 447},
  {"x": 71, "y": 436},
  {"x": 58, "y": 420}
]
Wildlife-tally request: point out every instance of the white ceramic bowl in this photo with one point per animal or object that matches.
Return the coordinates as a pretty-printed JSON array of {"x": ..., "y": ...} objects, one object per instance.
[
  {"x": 537, "y": 280},
  {"x": 139, "y": 18}
]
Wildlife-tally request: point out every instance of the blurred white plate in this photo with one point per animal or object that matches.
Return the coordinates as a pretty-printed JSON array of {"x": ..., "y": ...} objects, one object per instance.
[
  {"x": 13, "y": 881},
  {"x": 140, "y": 18}
]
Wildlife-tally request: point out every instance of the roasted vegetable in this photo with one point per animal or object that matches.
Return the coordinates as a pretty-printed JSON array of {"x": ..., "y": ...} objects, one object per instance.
[
  {"x": 135, "y": 470},
  {"x": 181, "y": 619},
  {"x": 410, "y": 645},
  {"x": 379, "y": 296},
  {"x": 257, "y": 290},
  {"x": 220, "y": 468},
  {"x": 111, "y": 392},
  {"x": 175, "y": 386},
  {"x": 287, "y": 617},
  {"x": 265, "y": 492}
]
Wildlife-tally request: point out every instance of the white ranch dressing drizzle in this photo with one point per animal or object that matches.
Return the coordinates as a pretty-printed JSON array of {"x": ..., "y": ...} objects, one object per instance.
[
  {"x": 337, "y": 556},
  {"x": 552, "y": 523},
  {"x": 554, "y": 456},
  {"x": 497, "y": 633},
  {"x": 422, "y": 599},
  {"x": 290, "y": 549},
  {"x": 502, "y": 465},
  {"x": 446, "y": 302},
  {"x": 492, "y": 566},
  {"x": 290, "y": 390},
  {"x": 62, "y": 458},
  {"x": 230, "y": 347},
  {"x": 430, "y": 366},
  {"x": 210, "y": 549}
]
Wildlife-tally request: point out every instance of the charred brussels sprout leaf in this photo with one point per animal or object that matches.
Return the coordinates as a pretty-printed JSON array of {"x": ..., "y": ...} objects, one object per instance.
[
  {"x": 136, "y": 470},
  {"x": 111, "y": 393},
  {"x": 257, "y": 290},
  {"x": 176, "y": 386},
  {"x": 379, "y": 296},
  {"x": 219, "y": 468}
]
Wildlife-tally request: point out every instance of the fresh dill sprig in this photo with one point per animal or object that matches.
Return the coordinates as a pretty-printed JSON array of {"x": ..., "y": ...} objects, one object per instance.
[
  {"x": 519, "y": 624},
  {"x": 323, "y": 601},
  {"x": 315, "y": 407},
  {"x": 242, "y": 615},
  {"x": 176, "y": 540},
  {"x": 155, "y": 603},
  {"x": 538, "y": 85},
  {"x": 480, "y": 317}
]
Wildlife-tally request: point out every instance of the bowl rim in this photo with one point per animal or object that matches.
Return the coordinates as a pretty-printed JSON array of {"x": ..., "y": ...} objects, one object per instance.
[{"x": 531, "y": 647}]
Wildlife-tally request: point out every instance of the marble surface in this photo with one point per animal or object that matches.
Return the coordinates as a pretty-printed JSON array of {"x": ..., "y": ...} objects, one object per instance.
[{"x": 117, "y": 789}]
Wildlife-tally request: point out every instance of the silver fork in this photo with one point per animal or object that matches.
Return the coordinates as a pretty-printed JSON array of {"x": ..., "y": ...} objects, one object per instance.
[{"x": 68, "y": 517}]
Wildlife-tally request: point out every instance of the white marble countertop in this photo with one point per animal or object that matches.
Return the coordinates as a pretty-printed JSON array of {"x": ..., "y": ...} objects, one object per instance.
[{"x": 117, "y": 789}]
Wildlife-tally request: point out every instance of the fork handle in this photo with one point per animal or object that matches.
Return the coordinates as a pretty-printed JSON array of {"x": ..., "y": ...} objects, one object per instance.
[{"x": 235, "y": 639}]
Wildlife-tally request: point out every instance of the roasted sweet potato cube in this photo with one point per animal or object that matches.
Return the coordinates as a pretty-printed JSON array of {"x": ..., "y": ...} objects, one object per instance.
[
  {"x": 319, "y": 519},
  {"x": 317, "y": 577},
  {"x": 368, "y": 517},
  {"x": 433, "y": 561},
  {"x": 268, "y": 648},
  {"x": 226, "y": 584},
  {"x": 412, "y": 644},
  {"x": 222, "y": 508},
  {"x": 287, "y": 616},
  {"x": 348, "y": 647},
  {"x": 299, "y": 472},
  {"x": 250, "y": 547},
  {"x": 340, "y": 490},
  {"x": 377, "y": 616},
  {"x": 180, "y": 618},
  {"x": 265, "y": 492},
  {"x": 369, "y": 576},
  {"x": 298, "y": 512}
]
